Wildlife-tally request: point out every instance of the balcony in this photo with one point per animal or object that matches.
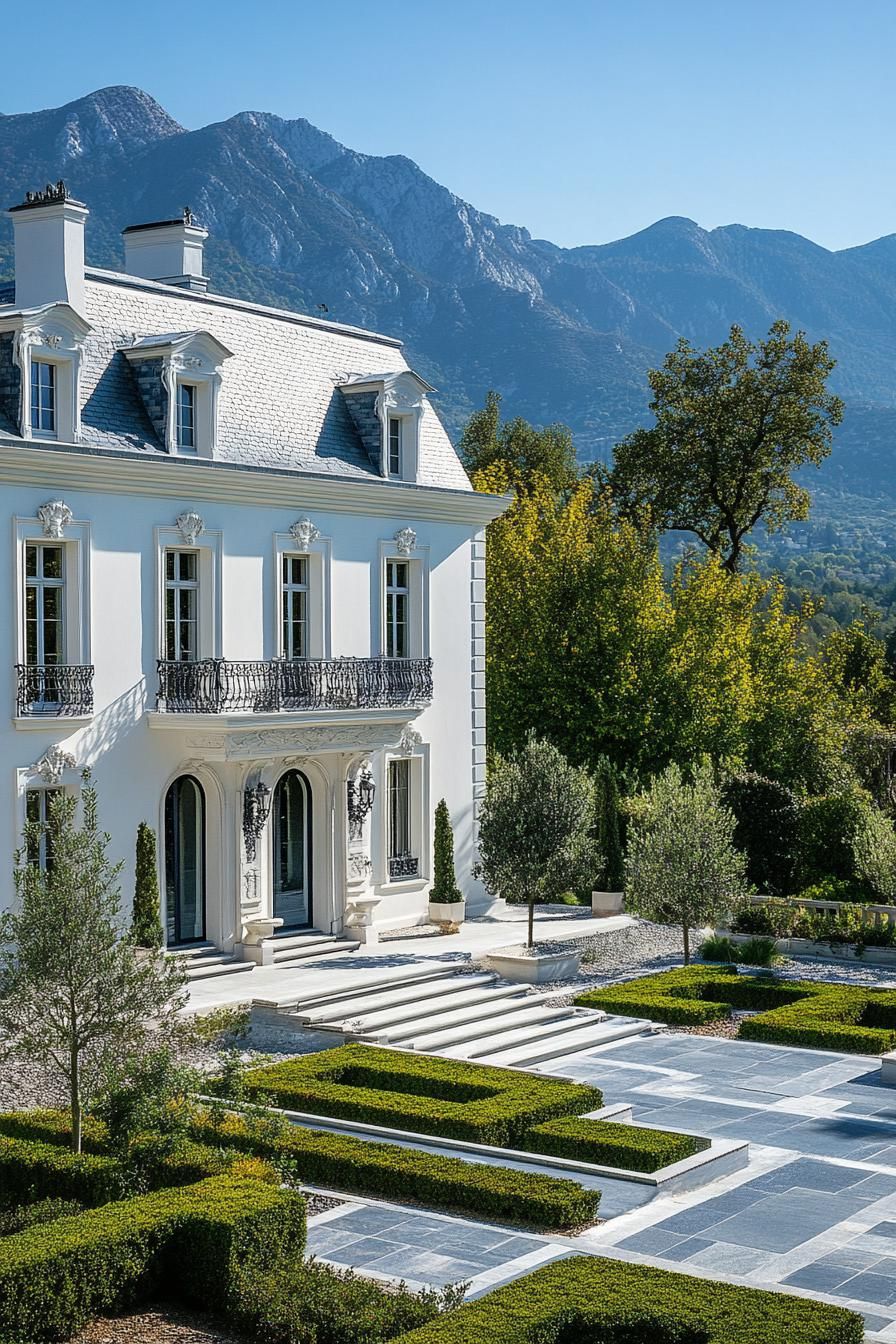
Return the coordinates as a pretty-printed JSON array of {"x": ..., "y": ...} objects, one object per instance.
[
  {"x": 53, "y": 690},
  {"x": 220, "y": 686}
]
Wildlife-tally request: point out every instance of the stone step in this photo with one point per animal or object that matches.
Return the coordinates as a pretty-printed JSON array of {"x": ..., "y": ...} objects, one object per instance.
[
  {"x": 509, "y": 1034},
  {"x": 312, "y": 947},
  {"x": 465, "y": 1041},
  {"x": 396, "y": 996},
  {"x": 488, "y": 1007},
  {"x": 437, "y": 1008},
  {"x": 203, "y": 968},
  {"x": 191, "y": 950},
  {"x": 302, "y": 1003},
  {"x": 572, "y": 1041}
]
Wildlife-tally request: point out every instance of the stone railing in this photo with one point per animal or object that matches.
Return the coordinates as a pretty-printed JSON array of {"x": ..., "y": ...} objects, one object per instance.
[{"x": 878, "y": 916}]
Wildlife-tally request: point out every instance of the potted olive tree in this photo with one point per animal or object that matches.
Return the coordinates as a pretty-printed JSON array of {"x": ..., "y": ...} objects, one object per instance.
[
  {"x": 446, "y": 902},
  {"x": 536, "y": 842}
]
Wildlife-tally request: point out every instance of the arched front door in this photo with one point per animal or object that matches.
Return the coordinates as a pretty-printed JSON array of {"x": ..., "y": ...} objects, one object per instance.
[
  {"x": 291, "y": 856},
  {"x": 185, "y": 861}
]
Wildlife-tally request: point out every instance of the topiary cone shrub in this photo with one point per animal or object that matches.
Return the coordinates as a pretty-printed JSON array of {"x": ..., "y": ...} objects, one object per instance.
[
  {"x": 146, "y": 924},
  {"x": 446, "y": 899}
]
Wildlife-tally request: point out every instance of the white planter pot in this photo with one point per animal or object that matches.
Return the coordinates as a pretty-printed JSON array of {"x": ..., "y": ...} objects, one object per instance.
[
  {"x": 536, "y": 969},
  {"x": 606, "y": 903},
  {"x": 447, "y": 915}
]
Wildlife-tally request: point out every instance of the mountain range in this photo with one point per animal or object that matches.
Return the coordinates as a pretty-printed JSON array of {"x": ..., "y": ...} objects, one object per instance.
[{"x": 567, "y": 334}]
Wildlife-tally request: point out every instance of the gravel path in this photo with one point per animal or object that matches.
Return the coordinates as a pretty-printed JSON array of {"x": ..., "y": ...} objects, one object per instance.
[{"x": 162, "y": 1325}]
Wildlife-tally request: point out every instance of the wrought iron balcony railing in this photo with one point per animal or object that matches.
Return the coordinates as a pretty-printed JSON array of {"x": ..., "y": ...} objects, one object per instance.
[
  {"x": 54, "y": 689},
  {"x": 403, "y": 865},
  {"x": 219, "y": 686}
]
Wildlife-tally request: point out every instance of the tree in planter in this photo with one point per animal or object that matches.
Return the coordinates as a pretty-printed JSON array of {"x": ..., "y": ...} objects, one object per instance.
[
  {"x": 146, "y": 923},
  {"x": 444, "y": 888},
  {"x": 73, "y": 995},
  {"x": 681, "y": 866},
  {"x": 608, "y": 837},
  {"x": 536, "y": 838}
]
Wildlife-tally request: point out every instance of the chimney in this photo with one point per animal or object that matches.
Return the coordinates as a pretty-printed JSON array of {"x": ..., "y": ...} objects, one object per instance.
[
  {"x": 169, "y": 250},
  {"x": 49, "y": 248}
]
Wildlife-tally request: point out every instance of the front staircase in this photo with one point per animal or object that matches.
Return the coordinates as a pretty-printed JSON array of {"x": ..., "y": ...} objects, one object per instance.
[
  {"x": 475, "y": 1016},
  {"x": 203, "y": 961}
]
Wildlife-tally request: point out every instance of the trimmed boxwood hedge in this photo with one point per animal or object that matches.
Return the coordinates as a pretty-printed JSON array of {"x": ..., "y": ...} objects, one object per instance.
[
  {"x": 350, "y": 1165},
  {"x": 30, "y": 1170},
  {"x": 53, "y": 1126},
  {"x": 422, "y": 1093},
  {"x": 613, "y": 1145},
  {"x": 194, "y": 1242},
  {"x": 610, "y": 1302},
  {"x": 806, "y": 1013}
]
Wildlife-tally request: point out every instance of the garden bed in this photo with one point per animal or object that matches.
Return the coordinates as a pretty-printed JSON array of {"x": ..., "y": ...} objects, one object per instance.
[
  {"x": 850, "y": 1019},
  {"x": 503, "y": 1108},
  {"x": 592, "y": 1298}
]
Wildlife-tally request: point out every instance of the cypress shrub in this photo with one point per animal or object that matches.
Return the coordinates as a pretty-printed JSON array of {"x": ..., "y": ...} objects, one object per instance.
[
  {"x": 146, "y": 924},
  {"x": 609, "y": 839},
  {"x": 767, "y": 817},
  {"x": 444, "y": 888}
]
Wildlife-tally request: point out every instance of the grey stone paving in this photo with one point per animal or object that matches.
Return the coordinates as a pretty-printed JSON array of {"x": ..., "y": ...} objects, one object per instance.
[
  {"x": 815, "y": 1211},
  {"x": 426, "y": 1249}
]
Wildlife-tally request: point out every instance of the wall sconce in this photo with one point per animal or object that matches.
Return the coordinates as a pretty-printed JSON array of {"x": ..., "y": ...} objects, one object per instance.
[
  {"x": 256, "y": 806},
  {"x": 360, "y": 802}
]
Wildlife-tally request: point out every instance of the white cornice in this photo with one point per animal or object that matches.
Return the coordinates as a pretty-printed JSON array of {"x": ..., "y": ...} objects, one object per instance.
[{"x": 69, "y": 467}]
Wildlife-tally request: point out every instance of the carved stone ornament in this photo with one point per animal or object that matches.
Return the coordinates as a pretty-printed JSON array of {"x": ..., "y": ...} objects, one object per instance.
[
  {"x": 192, "y": 362},
  {"x": 53, "y": 763},
  {"x": 54, "y": 518},
  {"x": 53, "y": 340},
  {"x": 189, "y": 525},
  {"x": 304, "y": 533},
  {"x": 406, "y": 540},
  {"x": 409, "y": 741}
]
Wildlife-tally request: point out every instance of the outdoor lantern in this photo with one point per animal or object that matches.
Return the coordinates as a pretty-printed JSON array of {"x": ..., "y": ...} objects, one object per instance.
[{"x": 256, "y": 806}]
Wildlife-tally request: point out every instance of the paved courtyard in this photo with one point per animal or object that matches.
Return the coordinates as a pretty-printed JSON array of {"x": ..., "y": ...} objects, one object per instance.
[{"x": 815, "y": 1211}]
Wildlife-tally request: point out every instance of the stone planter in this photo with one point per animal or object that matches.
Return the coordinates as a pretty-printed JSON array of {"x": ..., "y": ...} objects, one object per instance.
[
  {"x": 447, "y": 915},
  {"x": 535, "y": 968},
  {"x": 606, "y": 903}
]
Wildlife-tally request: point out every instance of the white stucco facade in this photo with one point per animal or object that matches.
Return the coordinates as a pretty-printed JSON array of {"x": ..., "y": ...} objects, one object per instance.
[{"x": 284, "y": 483}]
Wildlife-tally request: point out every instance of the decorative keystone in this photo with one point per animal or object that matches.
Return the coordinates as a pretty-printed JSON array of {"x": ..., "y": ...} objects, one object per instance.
[{"x": 54, "y": 518}]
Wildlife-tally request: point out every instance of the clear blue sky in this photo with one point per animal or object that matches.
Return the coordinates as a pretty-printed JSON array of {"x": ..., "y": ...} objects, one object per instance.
[{"x": 582, "y": 121}]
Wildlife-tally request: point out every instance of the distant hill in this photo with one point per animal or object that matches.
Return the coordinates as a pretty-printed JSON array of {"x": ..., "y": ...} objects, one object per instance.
[{"x": 564, "y": 333}]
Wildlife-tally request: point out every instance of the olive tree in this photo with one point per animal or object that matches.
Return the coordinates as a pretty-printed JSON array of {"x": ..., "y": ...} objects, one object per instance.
[
  {"x": 76, "y": 995},
  {"x": 681, "y": 866},
  {"x": 536, "y": 838}
]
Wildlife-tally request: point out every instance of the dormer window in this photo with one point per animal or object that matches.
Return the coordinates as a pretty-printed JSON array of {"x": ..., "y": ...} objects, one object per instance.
[
  {"x": 387, "y": 410},
  {"x": 186, "y": 417},
  {"x": 43, "y": 397},
  {"x": 394, "y": 446},
  {"x": 178, "y": 376},
  {"x": 39, "y": 385}
]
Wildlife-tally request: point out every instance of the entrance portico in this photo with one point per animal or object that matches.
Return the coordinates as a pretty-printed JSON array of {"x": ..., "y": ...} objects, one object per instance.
[{"x": 272, "y": 822}]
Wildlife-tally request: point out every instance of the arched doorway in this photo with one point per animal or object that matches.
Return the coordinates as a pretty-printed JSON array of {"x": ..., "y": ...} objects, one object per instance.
[
  {"x": 291, "y": 850},
  {"x": 185, "y": 861}
]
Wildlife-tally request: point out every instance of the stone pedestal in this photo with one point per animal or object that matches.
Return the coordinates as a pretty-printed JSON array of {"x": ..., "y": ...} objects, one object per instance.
[{"x": 358, "y": 921}]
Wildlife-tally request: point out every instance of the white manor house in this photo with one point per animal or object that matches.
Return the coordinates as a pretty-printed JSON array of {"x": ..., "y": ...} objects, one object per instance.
[{"x": 244, "y": 586}]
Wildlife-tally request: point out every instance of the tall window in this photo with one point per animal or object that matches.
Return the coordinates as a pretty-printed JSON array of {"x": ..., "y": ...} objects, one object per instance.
[
  {"x": 397, "y": 598},
  {"x": 402, "y": 863},
  {"x": 37, "y": 813},
  {"x": 181, "y": 606},
  {"x": 43, "y": 397},
  {"x": 394, "y": 446},
  {"x": 186, "y": 417},
  {"x": 185, "y": 861},
  {"x": 44, "y": 604},
  {"x": 294, "y": 606}
]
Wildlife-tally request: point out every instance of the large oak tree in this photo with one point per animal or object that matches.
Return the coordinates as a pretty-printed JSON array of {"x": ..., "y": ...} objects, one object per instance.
[{"x": 732, "y": 425}]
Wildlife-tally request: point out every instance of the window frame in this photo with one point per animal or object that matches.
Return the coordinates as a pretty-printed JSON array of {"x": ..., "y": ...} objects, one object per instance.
[
  {"x": 41, "y": 431},
  {"x": 318, "y": 558},
  {"x": 420, "y": 838},
  {"x": 182, "y": 587},
  {"x": 395, "y": 450},
  {"x": 417, "y": 560},
  {"x": 208, "y": 546},
  {"x": 77, "y": 632},
  {"x": 41, "y": 584},
  {"x": 190, "y": 449},
  {"x": 42, "y": 796}
]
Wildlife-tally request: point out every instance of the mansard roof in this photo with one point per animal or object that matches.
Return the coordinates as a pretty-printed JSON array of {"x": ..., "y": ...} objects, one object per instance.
[{"x": 280, "y": 403}]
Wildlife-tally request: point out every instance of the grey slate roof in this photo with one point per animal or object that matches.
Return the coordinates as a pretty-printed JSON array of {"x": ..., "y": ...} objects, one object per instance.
[{"x": 279, "y": 404}]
